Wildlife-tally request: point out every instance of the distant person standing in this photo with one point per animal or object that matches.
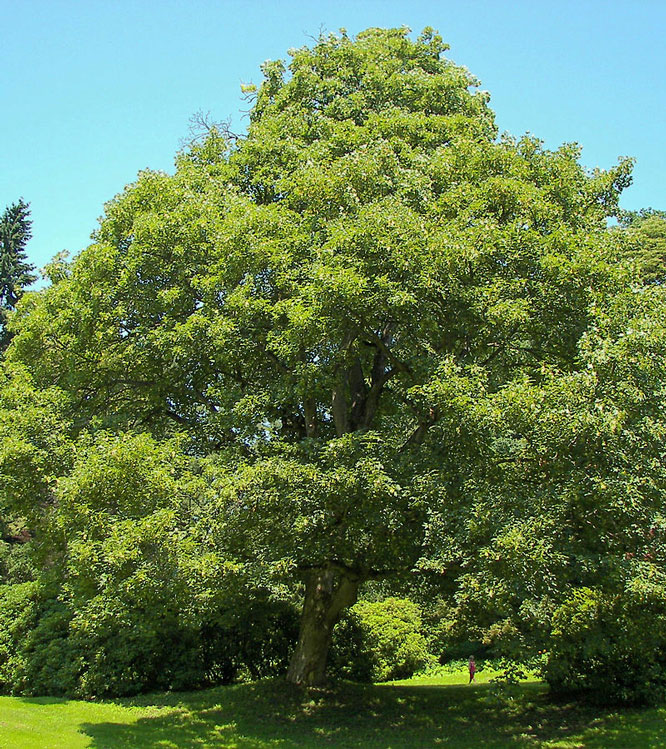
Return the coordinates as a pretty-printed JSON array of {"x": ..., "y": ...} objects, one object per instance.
[{"x": 472, "y": 669}]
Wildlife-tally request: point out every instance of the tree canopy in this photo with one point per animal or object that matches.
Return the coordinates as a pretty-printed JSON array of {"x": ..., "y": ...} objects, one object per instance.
[{"x": 385, "y": 338}]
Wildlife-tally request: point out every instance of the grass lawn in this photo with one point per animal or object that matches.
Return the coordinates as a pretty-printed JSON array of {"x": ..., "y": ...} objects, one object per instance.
[{"x": 426, "y": 712}]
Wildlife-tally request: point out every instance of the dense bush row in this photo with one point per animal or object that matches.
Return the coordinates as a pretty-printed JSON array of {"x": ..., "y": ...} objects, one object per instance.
[
  {"x": 112, "y": 648},
  {"x": 602, "y": 647}
]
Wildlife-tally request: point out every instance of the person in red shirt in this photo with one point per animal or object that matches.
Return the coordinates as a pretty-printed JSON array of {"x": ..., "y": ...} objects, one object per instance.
[{"x": 472, "y": 669}]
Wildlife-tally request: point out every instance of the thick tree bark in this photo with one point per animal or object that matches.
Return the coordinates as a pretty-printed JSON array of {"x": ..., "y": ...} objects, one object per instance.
[
  {"x": 328, "y": 592},
  {"x": 339, "y": 410},
  {"x": 310, "y": 414}
]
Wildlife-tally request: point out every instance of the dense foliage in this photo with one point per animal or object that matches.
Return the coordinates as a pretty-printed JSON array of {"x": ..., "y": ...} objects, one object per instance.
[{"x": 371, "y": 337}]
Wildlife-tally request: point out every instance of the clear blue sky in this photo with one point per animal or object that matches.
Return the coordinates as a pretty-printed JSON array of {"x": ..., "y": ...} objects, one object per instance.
[{"x": 91, "y": 91}]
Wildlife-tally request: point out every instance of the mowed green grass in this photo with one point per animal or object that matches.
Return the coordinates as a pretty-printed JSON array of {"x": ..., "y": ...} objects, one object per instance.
[{"x": 425, "y": 712}]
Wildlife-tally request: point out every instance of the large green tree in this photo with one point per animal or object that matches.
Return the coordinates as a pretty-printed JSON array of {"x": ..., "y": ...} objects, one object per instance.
[
  {"x": 377, "y": 324},
  {"x": 15, "y": 271}
]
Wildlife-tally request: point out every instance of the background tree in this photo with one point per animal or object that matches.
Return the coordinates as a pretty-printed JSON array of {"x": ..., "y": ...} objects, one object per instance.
[
  {"x": 371, "y": 319},
  {"x": 645, "y": 237},
  {"x": 15, "y": 271},
  {"x": 15, "y": 274}
]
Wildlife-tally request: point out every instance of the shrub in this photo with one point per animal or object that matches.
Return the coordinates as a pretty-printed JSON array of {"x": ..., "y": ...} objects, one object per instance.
[
  {"x": 15, "y": 563},
  {"x": 50, "y": 665},
  {"x": 378, "y": 641},
  {"x": 611, "y": 648},
  {"x": 17, "y": 618}
]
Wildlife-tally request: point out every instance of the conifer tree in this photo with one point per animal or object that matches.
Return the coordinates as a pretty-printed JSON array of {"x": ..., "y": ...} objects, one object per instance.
[{"x": 15, "y": 271}]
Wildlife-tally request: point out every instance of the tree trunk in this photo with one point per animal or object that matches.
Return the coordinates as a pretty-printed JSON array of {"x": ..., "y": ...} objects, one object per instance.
[{"x": 327, "y": 593}]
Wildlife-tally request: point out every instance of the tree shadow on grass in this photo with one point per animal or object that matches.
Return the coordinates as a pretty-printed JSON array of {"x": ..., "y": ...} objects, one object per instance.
[
  {"x": 44, "y": 700},
  {"x": 271, "y": 713}
]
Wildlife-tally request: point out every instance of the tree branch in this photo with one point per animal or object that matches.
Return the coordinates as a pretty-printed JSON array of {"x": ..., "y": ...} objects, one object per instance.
[{"x": 419, "y": 434}]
